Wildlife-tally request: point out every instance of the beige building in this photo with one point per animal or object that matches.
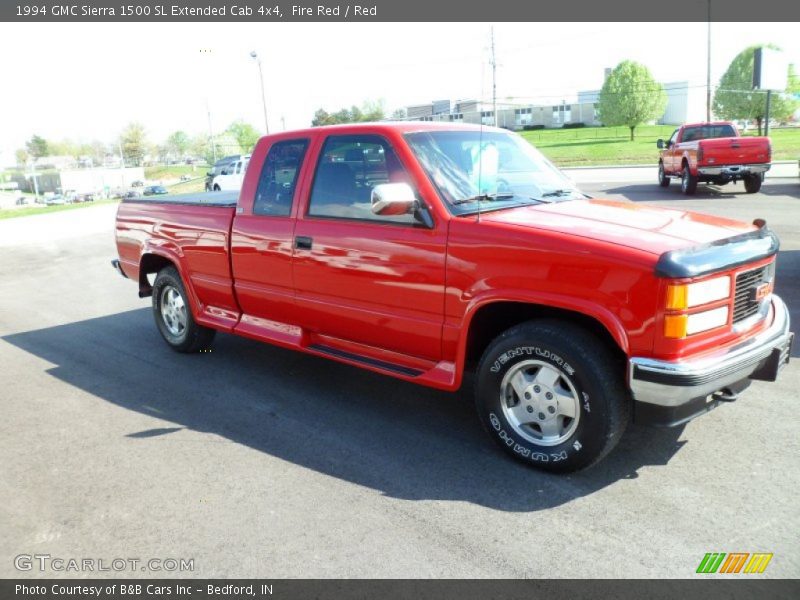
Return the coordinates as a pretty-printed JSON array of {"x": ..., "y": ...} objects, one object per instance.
[{"x": 510, "y": 115}]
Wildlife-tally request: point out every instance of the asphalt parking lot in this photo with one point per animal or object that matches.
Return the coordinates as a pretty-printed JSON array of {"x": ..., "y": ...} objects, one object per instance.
[{"x": 257, "y": 461}]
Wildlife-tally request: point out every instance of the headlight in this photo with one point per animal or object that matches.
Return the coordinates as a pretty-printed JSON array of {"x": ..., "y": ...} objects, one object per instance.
[
  {"x": 679, "y": 326},
  {"x": 687, "y": 295}
]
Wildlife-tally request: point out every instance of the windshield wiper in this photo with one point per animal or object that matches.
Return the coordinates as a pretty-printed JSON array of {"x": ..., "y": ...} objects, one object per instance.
[
  {"x": 558, "y": 193},
  {"x": 485, "y": 198}
]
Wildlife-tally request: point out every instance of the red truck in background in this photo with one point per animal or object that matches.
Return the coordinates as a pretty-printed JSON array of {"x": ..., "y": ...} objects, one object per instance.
[
  {"x": 423, "y": 251},
  {"x": 713, "y": 153}
]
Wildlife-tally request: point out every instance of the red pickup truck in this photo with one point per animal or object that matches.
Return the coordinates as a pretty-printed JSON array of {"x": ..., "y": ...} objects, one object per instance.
[
  {"x": 713, "y": 153},
  {"x": 423, "y": 251}
]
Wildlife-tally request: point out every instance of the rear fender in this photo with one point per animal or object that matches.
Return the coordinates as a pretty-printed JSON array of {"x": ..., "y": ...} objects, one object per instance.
[{"x": 163, "y": 255}]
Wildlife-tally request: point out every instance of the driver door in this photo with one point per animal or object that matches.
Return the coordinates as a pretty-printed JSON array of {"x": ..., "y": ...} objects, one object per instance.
[{"x": 361, "y": 277}]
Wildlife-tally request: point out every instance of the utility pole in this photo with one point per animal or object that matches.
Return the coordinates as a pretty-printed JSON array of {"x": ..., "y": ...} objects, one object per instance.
[
  {"x": 494, "y": 81},
  {"x": 255, "y": 56},
  {"x": 211, "y": 132},
  {"x": 35, "y": 183},
  {"x": 708, "y": 68},
  {"x": 121, "y": 165}
]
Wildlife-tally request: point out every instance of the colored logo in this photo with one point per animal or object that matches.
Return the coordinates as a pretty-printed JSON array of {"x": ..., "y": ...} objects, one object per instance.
[
  {"x": 734, "y": 562},
  {"x": 764, "y": 290}
]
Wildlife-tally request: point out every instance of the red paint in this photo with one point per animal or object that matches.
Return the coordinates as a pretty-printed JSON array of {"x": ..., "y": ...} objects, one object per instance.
[{"x": 405, "y": 296}]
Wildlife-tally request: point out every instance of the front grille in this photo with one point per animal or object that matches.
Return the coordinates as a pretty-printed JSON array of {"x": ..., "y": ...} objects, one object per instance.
[{"x": 745, "y": 304}]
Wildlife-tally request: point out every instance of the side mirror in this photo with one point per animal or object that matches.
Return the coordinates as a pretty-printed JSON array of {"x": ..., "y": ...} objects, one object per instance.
[
  {"x": 660, "y": 144},
  {"x": 389, "y": 199}
]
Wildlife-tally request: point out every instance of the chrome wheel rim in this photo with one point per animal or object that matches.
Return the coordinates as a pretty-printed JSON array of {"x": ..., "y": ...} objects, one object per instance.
[
  {"x": 540, "y": 402},
  {"x": 173, "y": 311}
]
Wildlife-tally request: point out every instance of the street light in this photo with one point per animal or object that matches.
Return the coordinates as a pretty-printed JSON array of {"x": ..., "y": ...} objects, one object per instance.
[{"x": 254, "y": 55}]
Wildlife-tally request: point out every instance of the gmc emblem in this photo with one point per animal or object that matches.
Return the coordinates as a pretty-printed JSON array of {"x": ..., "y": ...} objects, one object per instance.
[{"x": 763, "y": 290}]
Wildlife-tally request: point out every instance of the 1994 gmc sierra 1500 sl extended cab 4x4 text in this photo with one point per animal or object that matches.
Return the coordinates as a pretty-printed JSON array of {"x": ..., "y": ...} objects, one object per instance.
[
  {"x": 713, "y": 153},
  {"x": 421, "y": 251}
]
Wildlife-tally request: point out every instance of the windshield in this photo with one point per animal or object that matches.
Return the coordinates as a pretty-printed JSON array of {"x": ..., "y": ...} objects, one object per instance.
[{"x": 488, "y": 170}]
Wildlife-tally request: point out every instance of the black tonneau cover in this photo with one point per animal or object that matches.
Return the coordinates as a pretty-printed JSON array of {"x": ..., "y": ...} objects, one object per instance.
[{"x": 227, "y": 199}]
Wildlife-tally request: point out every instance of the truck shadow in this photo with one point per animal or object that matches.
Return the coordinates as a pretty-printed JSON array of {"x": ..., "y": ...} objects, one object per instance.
[
  {"x": 403, "y": 440},
  {"x": 650, "y": 192}
]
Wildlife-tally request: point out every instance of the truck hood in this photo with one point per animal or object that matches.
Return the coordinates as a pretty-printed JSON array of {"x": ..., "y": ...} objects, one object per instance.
[{"x": 648, "y": 228}]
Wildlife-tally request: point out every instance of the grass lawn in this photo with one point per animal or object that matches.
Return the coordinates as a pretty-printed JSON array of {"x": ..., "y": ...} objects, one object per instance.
[
  {"x": 174, "y": 171},
  {"x": 193, "y": 186},
  {"x": 39, "y": 209},
  {"x": 612, "y": 146}
]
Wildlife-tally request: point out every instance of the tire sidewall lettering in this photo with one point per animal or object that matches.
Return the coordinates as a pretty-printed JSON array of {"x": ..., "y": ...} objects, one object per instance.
[{"x": 506, "y": 435}]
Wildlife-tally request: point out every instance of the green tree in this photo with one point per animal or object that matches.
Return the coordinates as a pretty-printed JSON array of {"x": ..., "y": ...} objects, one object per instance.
[
  {"x": 630, "y": 96},
  {"x": 200, "y": 145},
  {"x": 22, "y": 156},
  {"x": 178, "y": 143},
  {"x": 227, "y": 144},
  {"x": 399, "y": 114},
  {"x": 374, "y": 110},
  {"x": 133, "y": 141},
  {"x": 246, "y": 135},
  {"x": 37, "y": 146},
  {"x": 321, "y": 117},
  {"x": 370, "y": 110},
  {"x": 736, "y": 99},
  {"x": 792, "y": 81}
]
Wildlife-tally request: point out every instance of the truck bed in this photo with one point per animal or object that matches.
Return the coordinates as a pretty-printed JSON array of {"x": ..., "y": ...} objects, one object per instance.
[
  {"x": 192, "y": 199},
  {"x": 192, "y": 230}
]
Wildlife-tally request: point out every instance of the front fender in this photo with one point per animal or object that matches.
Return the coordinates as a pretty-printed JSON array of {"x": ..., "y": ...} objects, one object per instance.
[{"x": 607, "y": 319}]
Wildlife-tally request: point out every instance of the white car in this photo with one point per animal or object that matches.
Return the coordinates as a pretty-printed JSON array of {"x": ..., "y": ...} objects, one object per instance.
[{"x": 231, "y": 177}]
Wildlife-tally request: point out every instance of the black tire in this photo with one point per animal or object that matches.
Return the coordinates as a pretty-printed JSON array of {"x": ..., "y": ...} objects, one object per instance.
[
  {"x": 752, "y": 184},
  {"x": 217, "y": 188},
  {"x": 688, "y": 181},
  {"x": 663, "y": 180},
  {"x": 584, "y": 362},
  {"x": 191, "y": 337}
]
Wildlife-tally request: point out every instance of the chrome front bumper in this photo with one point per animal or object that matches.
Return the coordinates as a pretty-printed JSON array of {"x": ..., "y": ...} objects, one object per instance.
[
  {"x": 671, "y": 384},
  {"x": 733, "y": 170}
]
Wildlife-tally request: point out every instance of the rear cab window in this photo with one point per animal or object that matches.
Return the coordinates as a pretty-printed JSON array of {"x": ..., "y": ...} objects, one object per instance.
[
  {"x": 278, "y": 179},
  {"x": 705, "y": 132}
]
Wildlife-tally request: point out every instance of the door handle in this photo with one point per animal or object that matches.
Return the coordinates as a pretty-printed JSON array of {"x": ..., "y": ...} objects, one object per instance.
[{"x": 302, "y": 242}]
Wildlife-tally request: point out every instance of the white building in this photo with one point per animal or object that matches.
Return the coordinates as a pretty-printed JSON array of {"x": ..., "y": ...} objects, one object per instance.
[{"x": 685, "y": 103}]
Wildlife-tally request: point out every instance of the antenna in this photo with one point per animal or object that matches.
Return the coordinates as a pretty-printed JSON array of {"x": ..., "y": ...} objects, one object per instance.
[
  {"x": 493, "y": 62},
  {"x": 480, "y": 136}
]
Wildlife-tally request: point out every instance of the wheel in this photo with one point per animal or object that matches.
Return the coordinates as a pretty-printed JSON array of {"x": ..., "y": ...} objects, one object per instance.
[
  {"x": 552, "y": 395},
  {"x": 174, "y": 317},
  {"x": 663, "y": 180},
  {"x": 688, "y": 181},
  {"x": 752, "y": 183},
  {"x": 216, "y": 187}
]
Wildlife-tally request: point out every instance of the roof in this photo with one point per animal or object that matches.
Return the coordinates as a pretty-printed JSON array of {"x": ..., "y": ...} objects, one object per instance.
[
  {"x": 706, "y": 123},
  {"x": 400, "y": 126}
]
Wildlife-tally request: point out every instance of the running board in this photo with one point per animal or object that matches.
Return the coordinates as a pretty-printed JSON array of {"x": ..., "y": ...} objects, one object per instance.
[{"x": 373, "y": 362}]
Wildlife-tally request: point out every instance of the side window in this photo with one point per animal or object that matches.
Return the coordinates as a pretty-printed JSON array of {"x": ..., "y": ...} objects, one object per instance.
[
  {"x": 278, "y": 179},
  {"x": 349, "y": 168},
  {"x": 674, "y": 137}
]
